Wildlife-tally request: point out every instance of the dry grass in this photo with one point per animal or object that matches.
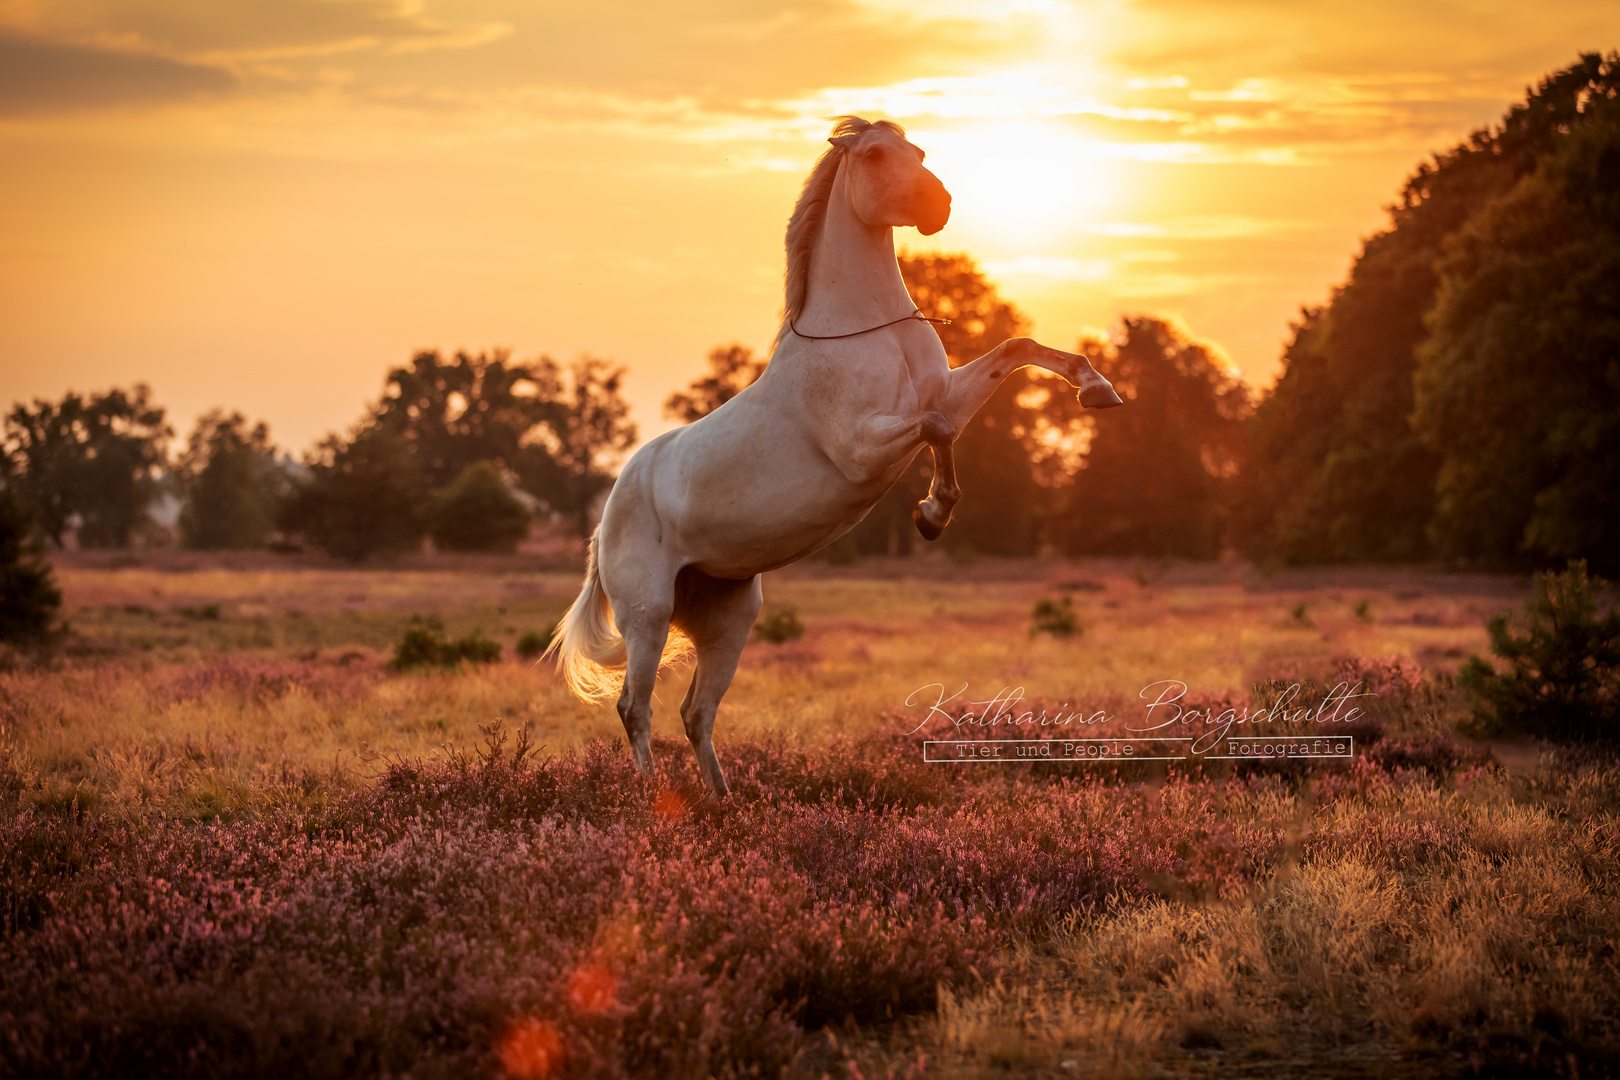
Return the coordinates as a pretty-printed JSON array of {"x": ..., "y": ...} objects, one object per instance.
[
  {"x": 148, "y": 712},
  {"x": 1407, "y": 918}
]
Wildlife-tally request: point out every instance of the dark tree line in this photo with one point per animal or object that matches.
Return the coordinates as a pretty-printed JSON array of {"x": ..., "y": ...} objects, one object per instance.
[
  {"x": 1458, "y": 396},
  {"x": 464, "y": 449},
  {"x": 92, "y": 460},
  {"x": 441, "y": 451}
]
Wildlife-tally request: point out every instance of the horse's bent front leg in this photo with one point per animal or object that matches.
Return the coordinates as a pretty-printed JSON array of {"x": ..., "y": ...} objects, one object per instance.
[
  {"x": 972, "y": 384},
  {"x": 934, "y": 512}
]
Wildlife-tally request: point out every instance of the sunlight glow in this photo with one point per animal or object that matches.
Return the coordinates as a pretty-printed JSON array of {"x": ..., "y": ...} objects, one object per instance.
[
  {"x": 266, "y": 208},
  {"x": 1025, "y": 174}
]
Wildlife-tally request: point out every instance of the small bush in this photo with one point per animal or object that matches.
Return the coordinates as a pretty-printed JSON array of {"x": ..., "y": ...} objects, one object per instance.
[
  {"x": 29, "y": 598},
  {"x": 778, "y": 625},
  {"x": 206, "y": 611},
  {"x": 478, "y": 513},
  {"x": 425, "y": 646},
  {"x": 532, "y": 644},
  {"x": 1055, "y": 617},
  {"x": 1563, "y": 677}
]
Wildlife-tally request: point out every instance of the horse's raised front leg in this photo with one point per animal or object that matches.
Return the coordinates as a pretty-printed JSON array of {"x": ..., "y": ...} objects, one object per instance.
[
  {"x": 934, "y": 512},
  {"x": 972, "y": 384}
]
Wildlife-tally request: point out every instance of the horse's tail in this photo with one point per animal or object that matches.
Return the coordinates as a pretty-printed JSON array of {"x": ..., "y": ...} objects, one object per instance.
[{"x": 587, "y": 645}]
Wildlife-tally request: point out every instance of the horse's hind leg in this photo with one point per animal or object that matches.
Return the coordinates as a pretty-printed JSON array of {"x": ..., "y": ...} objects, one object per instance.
[
  {"x": 718, "y": 614},
  {"x": 644, "y": 622}
]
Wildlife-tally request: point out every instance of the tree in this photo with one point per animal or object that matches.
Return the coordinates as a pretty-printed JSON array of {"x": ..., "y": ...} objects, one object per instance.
[
  {"x": 29, "y": 598},
  {"x": 1156, "y": 474},
  {"x": 94, "y": 461},
  {"x": 362, "y": 496},
  {"x": 1517, "y": 387},
  {"x": 1336, "y": 470},
  {"x": 571, "y": 462},
  {"x": 1009, "y": 456},
  {"x": 732, "y": 369},
  {"x": 232, "y": 485},
  {"x": 455, "y": 413},
  {"x": 1563, "y": 670},
  {"x": 478, "y": 513}
]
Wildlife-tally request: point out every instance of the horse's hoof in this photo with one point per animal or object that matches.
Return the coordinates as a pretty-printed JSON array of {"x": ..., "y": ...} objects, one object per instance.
[
  {"x": 929, "y": 530},
  {"x": 1099, "y": 397}
]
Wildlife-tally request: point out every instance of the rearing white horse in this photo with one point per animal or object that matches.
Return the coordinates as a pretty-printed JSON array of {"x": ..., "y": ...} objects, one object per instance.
[{"x": 856, "y": 385}]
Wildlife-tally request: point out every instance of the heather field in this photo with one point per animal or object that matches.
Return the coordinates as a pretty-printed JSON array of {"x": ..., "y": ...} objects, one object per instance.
[{"x": 234, "y": 841}]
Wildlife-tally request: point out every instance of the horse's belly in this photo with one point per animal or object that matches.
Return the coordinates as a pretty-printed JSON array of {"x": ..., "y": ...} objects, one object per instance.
[{"x": 737, "y": 538}]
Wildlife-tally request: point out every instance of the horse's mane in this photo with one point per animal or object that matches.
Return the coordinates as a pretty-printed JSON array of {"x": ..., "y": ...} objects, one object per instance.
[{"x": 811, "y": 209}]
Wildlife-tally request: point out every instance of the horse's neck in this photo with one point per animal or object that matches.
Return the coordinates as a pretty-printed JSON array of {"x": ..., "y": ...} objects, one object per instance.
[{"x": 854, "y": 277}]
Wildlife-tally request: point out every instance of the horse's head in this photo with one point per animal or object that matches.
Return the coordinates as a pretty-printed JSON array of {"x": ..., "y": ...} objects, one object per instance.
[{"x": 888, "y": 184}]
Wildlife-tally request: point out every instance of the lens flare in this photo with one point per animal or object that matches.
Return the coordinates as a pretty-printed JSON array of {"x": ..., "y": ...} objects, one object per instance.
[
  {"x": 670, "y": 806},
  {"x": 530, "y": 1050},
  {"x": 592, "y": 988}
]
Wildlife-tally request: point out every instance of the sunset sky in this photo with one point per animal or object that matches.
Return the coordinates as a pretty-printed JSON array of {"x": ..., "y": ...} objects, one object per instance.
[{"x": 263, "y": 204}]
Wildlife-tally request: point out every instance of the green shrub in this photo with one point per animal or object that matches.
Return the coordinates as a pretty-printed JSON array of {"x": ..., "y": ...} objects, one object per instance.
[
  {"x": 29, "y": 598},
  {"x": 532, "y": 644},
  {"x": 1055, "y": 617},
  {"x": 1563, "y": 677},
  {"x": 425, "y": 646},
  {"x": 779, "y": 625},
  {"x": 478, "y": 513}
]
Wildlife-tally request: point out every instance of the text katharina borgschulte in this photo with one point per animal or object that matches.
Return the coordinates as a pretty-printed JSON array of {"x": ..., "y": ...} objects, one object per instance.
[{"x": 1166, "y": 728}]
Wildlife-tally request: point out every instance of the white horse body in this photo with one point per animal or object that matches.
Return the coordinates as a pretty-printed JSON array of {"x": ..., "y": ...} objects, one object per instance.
[{"x": 797, "y": 459}]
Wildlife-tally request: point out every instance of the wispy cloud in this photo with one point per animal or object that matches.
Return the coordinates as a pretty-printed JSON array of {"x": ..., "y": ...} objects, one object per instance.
[
  {"x": 43, "y": 77},
  {"x": 1050, "y": 268}
]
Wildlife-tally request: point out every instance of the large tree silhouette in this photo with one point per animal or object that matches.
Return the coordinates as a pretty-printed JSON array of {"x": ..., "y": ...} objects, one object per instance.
[
  {"x": 575, "y": 456},
  {"x": 91, "y": 459},
  {"x": 732, "y": 369},
  {"x": 363, "y": 495},
  {"x": 1337, "y": 470},
  {"x": 1007, "y": 456},
  {"x": 1518, "y": 385},
  {"x": 455, "y": 413},
  {"x": 232, "y": 485},
  {"x": 1157, "y": 472}
]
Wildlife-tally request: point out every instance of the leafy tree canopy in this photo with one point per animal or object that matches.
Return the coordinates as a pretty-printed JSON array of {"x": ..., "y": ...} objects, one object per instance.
[
  {"x": 233, "y": 487},
  {"x": 574, "y": 458},
  {"x": 1337, "y": 470},
  {"x": 478, "y": 513},
  {"x": 1156, "y": 473},
  {"x": 471, "y": 408},
  {"x": 1014, "y": 449},
  {"x": 363, "y": 495},
  {"x": 732, "y": 369},
  {"x": 93, "y": 460},
  {"x": 1518, "y": 384}
]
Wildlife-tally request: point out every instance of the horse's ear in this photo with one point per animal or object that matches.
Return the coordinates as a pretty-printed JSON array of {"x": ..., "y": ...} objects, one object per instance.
[{"x": 844, "y": 141}]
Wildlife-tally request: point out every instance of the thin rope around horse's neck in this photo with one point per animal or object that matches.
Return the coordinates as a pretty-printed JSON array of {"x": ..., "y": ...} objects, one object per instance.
[{"x": 916, "y": 313}]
